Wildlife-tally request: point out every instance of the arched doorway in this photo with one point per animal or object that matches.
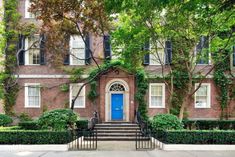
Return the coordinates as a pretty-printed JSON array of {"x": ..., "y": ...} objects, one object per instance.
[{"x": 117, "y": 101}]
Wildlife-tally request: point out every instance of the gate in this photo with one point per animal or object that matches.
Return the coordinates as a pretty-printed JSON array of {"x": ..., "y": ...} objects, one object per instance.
[
  {"x": 144, "y": 140},
  {"x": 83, "y": 140}
]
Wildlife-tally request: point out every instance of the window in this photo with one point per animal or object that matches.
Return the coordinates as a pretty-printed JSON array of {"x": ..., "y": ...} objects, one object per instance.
[
  {"x": 202, "y": 96},
  {"x": 157, "y": 95},
  {"x": 202, "y": 51},
  {"x": 157, "y": 53},
  {"x": 32, "y": 48},
  {"x": 80, "y": 101},
  {"x": 32, "y": 95},
  {"x": 27, "y": 13},
  {"x": 77, "y": 47}
]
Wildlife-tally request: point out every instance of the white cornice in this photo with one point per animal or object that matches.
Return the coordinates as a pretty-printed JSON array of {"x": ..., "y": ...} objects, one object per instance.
[{"x": 45, "y": 76}]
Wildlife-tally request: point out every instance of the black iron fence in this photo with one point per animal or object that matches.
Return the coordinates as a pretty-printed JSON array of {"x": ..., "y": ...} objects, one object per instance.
[
  {"x": 83, "y": 140},
  {"x": 144, "y": 140}
]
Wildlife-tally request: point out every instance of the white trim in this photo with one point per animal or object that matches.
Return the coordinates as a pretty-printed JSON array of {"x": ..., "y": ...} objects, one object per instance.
[
  {"x": 26, "y": 105},
  {"x": 45, "y": 76},
  {"x": 208, "y": 95},
  {"x": 71, "y": 95},
  {"x": 163, "y": 95}
]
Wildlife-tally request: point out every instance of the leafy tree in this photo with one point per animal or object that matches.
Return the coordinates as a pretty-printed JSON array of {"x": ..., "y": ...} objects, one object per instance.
[{"x": 206, "y": 26}]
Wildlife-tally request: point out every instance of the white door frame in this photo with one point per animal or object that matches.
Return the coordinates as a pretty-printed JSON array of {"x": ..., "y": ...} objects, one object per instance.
[{"x": 108, "y": 116}]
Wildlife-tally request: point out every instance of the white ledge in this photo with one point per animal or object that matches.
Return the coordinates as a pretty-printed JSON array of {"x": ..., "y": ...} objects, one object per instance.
[
  {"x": 45, "y": 76},
  {"x": 41, "y": 147},
  {"x": 197, "y": 147}
]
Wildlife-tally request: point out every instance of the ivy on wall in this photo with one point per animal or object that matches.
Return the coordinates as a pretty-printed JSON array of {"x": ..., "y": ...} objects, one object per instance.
[
  {"x": 13, "y": 28},
  {"x": 222, "y": 81}
]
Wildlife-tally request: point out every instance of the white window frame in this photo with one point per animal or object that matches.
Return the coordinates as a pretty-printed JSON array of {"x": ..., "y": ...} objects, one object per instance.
[
  {"x": 208, "y": 95},
  {"x": 151, "y": 55},
  {"x": 163, "y": 95},
  {"x": 27, "y": 96},
  {"x": 27, "y": 13},
  {"x": 27, "y": 51},
  {"x": 71, "y": 48},
  {"x": 71, "y": 95}
]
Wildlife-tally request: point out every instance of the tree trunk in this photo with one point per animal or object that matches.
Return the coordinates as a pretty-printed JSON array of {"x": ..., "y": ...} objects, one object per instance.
[{"x": 182, "y": 108}]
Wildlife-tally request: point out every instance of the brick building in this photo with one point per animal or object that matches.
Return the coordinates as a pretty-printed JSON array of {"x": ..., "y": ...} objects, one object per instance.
[{"x": 116, "y": 88}]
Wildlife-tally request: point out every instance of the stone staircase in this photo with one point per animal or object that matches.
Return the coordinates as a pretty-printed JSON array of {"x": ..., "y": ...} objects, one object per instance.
[{"x": 116, "y": 131}]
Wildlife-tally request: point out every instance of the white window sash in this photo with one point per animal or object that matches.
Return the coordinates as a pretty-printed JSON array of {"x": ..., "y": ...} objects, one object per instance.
[
  {"x": 27, "y": 95},
  {"x": 158, "y": 55},
  {"x": 27, "y": 57},
  {"x": 163, "y": 95},
  {"x": 80, "y": 62},
  {"x": 208, "y": 96},
  {"x": 82, "y": 94}
]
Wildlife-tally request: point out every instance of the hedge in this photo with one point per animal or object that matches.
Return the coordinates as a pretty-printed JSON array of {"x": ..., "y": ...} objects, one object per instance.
[
  {"x": 34, "y": 137},
  {"x": 5, "y": 120},
  {"x": 196, "y": 137},
  {"x": 209, "y": 124},
  {"x": 82, "y": 124},
  {"x": 29, "y": 125}
]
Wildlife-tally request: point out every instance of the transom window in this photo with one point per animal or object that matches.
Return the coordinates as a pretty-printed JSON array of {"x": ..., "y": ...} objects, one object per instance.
[
  {"x": 77, "y": 47},
  {"x": 80, "y": 101},
  {"x": 157, "y": 95},
  {"x": 202, "y": 96},
  {"x": 32, "y": 95},
  {"x": 117, "y": 87}
]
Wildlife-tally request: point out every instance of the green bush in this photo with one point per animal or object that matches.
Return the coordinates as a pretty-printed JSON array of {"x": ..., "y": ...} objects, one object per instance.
[
  {"x": 5, "y": 120},
  {"x": 24, "y": 117},
  {"x": 29, "y": 125},
  {"x": 196, "y": 136},
  {"x": 166, "y": 122},
  {"x": 34, "y": 137},
  {"x": 82, "y": 124},
  {"x": 209, "y": 124},
  {"x": 59, "y": 119}
]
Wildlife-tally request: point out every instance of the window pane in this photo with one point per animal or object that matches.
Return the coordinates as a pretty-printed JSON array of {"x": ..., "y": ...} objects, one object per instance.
[
  {"x": 156, "y": 101},
  {"x": 33, "y": 96},
  {"x": 78, "y": 56},
  {"x": 202, "y": 91},
  {"x": 79, "y": 101},
  {"x": 155, "y": 58},
  {"x": 77, "y": 42},
  {"x": 156, "y": 90},
  {"x": 201, "y": 101}
]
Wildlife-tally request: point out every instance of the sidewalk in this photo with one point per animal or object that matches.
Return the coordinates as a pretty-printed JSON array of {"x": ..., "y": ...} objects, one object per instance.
[{"x": 156, "y": 153}]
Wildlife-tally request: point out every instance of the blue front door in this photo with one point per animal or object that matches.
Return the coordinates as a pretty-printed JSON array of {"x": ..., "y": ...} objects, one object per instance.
[{"x": 117, "y": 106}]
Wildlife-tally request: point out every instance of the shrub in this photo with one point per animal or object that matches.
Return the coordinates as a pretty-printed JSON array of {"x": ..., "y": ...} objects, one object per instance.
[
  {"x": 196, "y": 136},
  {"x": 209, "y": 124},
  {"x": 34, "y": 137},
  {"x": 5, "y": 120},
  {"x": 29, "y": 125},
  {"x": 166, "y": 122},
  {"x": 82, "y": 124},
  {"x": 24, "y": 117},
  {"x": 59, "y": 119}
]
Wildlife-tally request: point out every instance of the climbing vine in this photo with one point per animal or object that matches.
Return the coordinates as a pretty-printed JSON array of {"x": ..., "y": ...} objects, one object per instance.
[
  {"x": 13, "y": 28},
  {"x": 222, "y": 81}
]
